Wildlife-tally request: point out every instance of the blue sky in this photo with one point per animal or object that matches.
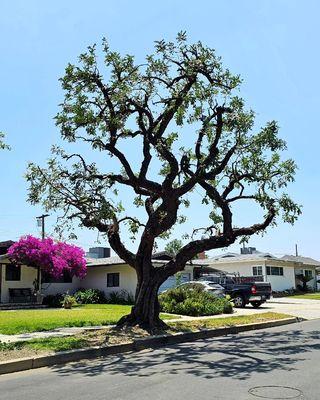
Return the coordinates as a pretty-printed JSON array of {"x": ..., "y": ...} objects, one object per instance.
[{"x": 273, "y": 44}]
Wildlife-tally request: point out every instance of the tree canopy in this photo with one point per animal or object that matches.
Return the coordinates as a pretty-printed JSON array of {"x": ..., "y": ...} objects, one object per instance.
[
  {"x": 180, "y": 113},
  {"x": 3, "y": 145},
  {"x": 173, "y": 247}
]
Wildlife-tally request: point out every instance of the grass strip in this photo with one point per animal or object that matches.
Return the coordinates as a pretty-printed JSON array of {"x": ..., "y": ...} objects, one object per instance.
[{"x": 213, "y": 323}]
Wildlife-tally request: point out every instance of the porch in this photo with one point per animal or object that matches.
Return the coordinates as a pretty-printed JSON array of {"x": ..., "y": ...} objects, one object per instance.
[{"x": 17, "y": 285}]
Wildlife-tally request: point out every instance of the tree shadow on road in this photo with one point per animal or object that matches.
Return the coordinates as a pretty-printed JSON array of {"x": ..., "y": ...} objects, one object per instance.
[{"x": 236, "y": 356}]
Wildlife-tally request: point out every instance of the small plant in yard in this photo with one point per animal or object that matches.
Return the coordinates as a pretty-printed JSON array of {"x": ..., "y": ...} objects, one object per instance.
[
  {"x": 194, "y": 302},
  {"x": 68, "y": 301},
  {"x": 303, "y": 285},
  {"x": 90, "y": 296}
]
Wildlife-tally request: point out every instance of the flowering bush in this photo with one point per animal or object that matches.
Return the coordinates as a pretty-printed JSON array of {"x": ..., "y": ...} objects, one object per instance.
[{"x": 52, "y": 257}]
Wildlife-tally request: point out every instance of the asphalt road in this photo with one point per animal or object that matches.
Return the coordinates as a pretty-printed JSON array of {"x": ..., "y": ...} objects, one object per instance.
[{"x": 227, "y": 368}]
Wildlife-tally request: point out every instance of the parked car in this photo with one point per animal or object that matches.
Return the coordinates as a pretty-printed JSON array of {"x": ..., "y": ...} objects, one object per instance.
[
  {"x": 207, "y": 286},
  {"x": 241, "y": 293}
]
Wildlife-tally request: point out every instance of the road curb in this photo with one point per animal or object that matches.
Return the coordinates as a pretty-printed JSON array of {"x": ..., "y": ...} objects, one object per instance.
[{"x": 64, "y": 357}]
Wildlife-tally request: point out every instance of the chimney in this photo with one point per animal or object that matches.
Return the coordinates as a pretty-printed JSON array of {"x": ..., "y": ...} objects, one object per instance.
[
  {"x": 98, "y": 252},
  {"x": 248, "y": 250}
]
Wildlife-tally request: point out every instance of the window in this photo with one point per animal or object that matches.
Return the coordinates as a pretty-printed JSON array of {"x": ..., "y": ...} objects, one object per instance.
[
  {"x": 13, "y": 272},
  {"x": 257, "y": 271},
  {"x": 308, "y": 273},
  {"x": 275, "y": 271},
  {"x": 113, "y": 279},
  {"x": 47, "y": 278}
]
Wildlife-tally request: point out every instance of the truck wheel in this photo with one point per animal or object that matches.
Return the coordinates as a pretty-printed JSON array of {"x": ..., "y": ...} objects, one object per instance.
[
  {"x": 239, "y": 302},
  {"x": 256, "y": 304}
]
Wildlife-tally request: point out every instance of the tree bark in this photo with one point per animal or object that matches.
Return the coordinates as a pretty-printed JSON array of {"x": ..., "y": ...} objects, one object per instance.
[{"x": 146, "y": 310}]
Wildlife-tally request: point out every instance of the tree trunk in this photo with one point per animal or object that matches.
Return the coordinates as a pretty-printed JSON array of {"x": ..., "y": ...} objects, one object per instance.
[{"x": 145, "y": 312}]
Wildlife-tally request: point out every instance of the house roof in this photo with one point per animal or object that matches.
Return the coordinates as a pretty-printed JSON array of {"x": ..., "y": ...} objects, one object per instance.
[
  {"x": 303, "y": 260},
  {"x": 4, "y": 246},
  {"x": 94, "y": 262},
  {"x": 6, "y": 243},
  {"x": 162, "y": 255},
  {"x": 234, "y": 257},
  {"x": 100, "y": 262},
  {"x": 257, "y": 255}
]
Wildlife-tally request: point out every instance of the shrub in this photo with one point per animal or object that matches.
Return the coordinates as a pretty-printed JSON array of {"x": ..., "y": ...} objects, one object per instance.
[
  {"x": 68, "y": 301},
  {"x": 194, "y": 302},
  {"x": 121, "y": 297},
  {"x": 90, "y": 296},
  {"x": 53, "y": 300}
]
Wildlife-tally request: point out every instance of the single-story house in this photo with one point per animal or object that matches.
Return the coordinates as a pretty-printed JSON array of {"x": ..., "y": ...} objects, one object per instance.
[
  {"x": 107, "y": 274},
  {"x": 282, "y": 272},
  {"x": 110, "y": 274}
]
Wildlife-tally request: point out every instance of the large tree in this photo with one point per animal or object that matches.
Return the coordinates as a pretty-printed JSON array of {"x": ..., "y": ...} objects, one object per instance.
[{"x": 180, "y": 110}]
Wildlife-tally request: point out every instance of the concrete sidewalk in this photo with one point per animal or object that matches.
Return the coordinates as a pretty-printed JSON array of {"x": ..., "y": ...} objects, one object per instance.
[{"x": 59, "y": 332}]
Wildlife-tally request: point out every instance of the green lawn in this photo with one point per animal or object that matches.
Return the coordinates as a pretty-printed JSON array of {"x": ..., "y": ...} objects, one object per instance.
[
  {"x": 22, "y": 321},
  {"x": 312, "y": 296}
]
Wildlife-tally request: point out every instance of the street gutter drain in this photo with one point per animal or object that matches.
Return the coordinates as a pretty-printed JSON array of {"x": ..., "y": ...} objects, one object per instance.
[{"x": 276, "y": 392}]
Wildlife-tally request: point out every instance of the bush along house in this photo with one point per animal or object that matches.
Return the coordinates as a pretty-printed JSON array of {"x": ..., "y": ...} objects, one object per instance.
[{"x": 283, "y": 273}]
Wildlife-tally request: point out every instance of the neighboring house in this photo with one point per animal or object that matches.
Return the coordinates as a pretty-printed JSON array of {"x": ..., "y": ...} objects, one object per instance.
[
  {"x": 108, "y": 274},
  {"x": 282, "y": 272}
]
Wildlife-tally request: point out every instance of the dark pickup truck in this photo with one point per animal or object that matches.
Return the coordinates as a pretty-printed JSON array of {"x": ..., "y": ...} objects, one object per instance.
[{"x": 242, "y": 293}]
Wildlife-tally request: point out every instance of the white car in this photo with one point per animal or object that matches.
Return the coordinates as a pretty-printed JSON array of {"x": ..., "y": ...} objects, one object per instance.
[{"x": 207, "y": 286}]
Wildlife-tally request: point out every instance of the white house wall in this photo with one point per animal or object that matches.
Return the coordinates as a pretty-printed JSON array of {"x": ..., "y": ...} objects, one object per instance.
[
  {"x": 285, "y": 282},
  {"x": 54, "y": 288},
  {"x": 243, "y": 268},
  {"x": 97, "y": 278}
]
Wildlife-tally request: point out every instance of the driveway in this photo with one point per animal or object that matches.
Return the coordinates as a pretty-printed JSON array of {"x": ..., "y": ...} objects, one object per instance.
[
  {"x": 275, "y": 363},
  {"x": 302, "y": 308}
]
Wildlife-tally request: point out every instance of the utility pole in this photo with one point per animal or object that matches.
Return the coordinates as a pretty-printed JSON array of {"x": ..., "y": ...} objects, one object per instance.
[
  {"x": 296, "y": 250},
  {"x": 41, "y": 220}
]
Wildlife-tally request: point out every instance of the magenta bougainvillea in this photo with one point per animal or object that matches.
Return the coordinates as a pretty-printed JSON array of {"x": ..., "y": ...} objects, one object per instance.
[{"x": 52, "y": 257}]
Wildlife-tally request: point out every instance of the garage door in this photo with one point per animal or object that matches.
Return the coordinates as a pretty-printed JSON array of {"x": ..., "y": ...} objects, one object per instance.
[{"x": 172, "y": 281}]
